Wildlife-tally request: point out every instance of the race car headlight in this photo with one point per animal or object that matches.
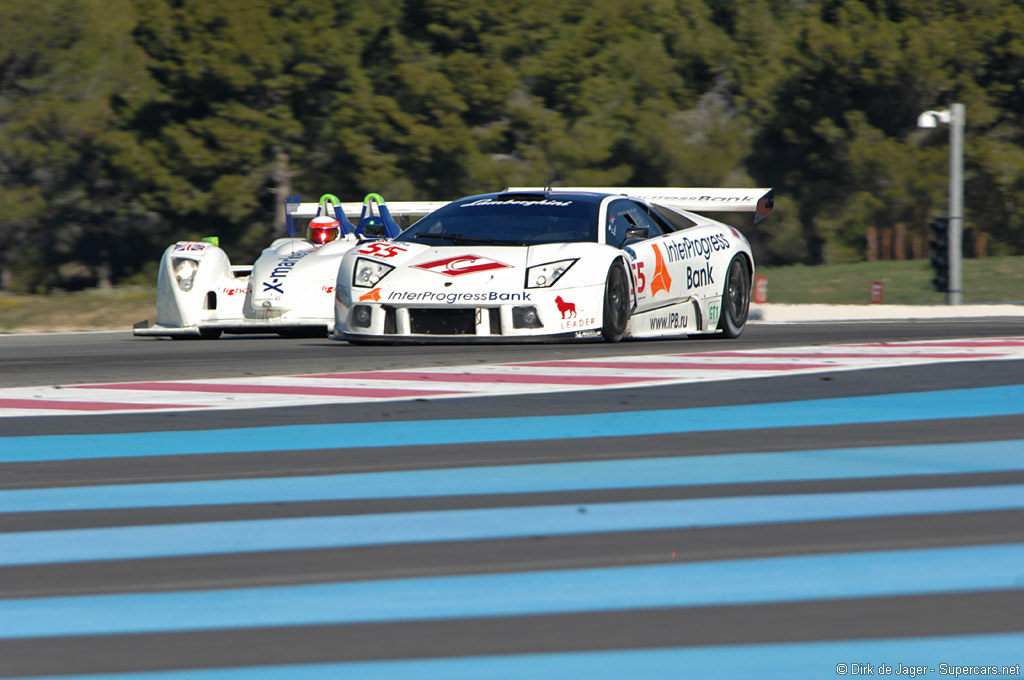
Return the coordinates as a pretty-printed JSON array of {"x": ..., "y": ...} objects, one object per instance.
[
  {"x": 367, "y": 273},
  {"x": 185, "y": 273},
  {"x": 545, "y": 275}
]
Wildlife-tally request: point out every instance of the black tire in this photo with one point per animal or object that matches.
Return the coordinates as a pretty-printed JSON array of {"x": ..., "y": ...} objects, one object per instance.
[
  {"x": 204, "y": 334},
  {"x": 616, "y": 304},
  {"x": 312, "y": 332},
  {"x": 735, "y": 298}
]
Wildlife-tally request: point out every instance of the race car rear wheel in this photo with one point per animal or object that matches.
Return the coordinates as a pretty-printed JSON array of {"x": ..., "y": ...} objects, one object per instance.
[
  {"x": 616, "y": 304},
  {"x": 735, "y": 298}
]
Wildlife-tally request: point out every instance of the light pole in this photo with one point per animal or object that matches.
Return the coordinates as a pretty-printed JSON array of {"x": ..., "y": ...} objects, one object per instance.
[{"x": 955, "y": 117}]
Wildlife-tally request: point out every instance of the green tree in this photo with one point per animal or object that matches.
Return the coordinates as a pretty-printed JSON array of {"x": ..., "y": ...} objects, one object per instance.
[
  {"x": 839, "y": 130},
  {"x": 132, "y": 123},
  {"x": 61, "y": 63}
]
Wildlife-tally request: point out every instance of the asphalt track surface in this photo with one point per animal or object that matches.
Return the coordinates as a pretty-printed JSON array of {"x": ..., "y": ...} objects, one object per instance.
[{"x": 712, "y": 551}]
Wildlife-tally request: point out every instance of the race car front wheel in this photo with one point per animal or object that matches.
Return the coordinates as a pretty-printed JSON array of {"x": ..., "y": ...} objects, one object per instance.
[
  {"x": 735, "y": 298},
  {"x": 616, "y": 304}
]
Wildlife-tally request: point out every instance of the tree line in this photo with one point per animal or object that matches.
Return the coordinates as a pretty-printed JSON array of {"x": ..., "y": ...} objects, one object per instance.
[{"x": 128, "y": 124}]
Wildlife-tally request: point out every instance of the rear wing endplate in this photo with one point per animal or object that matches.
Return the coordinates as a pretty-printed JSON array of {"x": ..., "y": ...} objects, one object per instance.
[{"x": 759, "y": 201}]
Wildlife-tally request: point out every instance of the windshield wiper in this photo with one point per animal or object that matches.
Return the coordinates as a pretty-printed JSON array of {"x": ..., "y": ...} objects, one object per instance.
[{"x": 460, "y": 239}]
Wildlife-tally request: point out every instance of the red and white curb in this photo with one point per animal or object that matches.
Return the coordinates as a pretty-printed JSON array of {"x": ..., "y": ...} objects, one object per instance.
[{"x": 496, "y": 379}]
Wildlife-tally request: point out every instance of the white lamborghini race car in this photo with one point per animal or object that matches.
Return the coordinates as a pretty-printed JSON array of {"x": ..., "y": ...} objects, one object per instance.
[
  {"x": 555, "y": 264},
  {"x": 289, "y": 290}
]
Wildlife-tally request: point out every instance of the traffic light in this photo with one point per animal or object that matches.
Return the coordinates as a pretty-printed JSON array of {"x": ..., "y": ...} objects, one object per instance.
[{"x": 939, "y": 244}]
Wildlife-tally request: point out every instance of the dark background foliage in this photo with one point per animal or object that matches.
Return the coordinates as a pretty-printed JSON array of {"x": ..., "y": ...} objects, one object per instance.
[{"x": 128, "y": 124}]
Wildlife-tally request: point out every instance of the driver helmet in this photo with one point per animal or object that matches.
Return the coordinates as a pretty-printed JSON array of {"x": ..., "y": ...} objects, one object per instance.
[{"x": 323, "y": 229}]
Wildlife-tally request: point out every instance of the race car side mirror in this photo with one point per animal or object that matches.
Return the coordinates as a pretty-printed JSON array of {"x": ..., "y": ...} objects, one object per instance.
[{"x": 637, "y": 234}]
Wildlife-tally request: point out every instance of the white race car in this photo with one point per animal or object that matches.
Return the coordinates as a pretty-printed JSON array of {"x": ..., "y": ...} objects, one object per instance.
[
  {"x": 289, "y": 290},
  {"x": 555, "y": 264}
]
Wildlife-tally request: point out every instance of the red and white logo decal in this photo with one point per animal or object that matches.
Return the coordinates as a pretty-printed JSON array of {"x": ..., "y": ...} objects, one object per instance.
[{"x": 461, "y": 264}]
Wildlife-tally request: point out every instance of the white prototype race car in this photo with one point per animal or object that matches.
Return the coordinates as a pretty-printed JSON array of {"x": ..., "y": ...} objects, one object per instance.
[
  {"x": 288, "y": 290},
  {"x": 529, "y": 264}
]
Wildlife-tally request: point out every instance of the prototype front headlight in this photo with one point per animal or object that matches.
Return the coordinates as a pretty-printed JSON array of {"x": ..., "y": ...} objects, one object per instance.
[
  {"x": 367, "y": 273},
  {"x": 185, "y": 273},
  {"x": 545, "y": 275}
]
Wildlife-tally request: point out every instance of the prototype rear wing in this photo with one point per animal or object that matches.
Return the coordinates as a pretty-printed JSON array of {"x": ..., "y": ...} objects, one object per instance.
[
  {"x": 759, "y": 201},
  {"x": 373, "y": 207},
  {"x": 351, "y": 210}
]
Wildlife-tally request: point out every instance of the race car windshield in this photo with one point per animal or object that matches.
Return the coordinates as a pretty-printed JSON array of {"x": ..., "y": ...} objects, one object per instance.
[{"x": 507, "y": 222}]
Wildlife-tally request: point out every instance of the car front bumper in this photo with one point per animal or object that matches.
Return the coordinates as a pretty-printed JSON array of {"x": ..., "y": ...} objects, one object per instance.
[{"x": 541, "y": 316}]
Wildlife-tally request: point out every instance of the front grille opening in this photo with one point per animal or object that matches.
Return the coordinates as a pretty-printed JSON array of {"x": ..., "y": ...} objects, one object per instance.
[
  {"x": 494, "y": 313},
  {"x": 390, "y": 324},
  {"x": 211, "y": 300},
  {"x": 442, "y": 321}
]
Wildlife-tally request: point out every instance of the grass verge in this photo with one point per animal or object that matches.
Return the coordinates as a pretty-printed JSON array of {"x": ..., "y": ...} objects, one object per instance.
[
  {"x": 85, "y": 310},
  {"x": 988, "y": 280}
]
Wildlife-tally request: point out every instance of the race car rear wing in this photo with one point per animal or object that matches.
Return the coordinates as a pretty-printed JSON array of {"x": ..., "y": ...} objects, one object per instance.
[
  {"x": 371, "y": 209},
  {"x": 759, "y": 201}
]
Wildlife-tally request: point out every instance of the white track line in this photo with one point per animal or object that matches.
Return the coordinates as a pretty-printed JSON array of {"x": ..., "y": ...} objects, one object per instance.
[{"x": 495, "y": 379}]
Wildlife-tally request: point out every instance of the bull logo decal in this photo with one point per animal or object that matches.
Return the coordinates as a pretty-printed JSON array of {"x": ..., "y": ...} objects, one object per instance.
[{"x": 568, "y": 309}]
